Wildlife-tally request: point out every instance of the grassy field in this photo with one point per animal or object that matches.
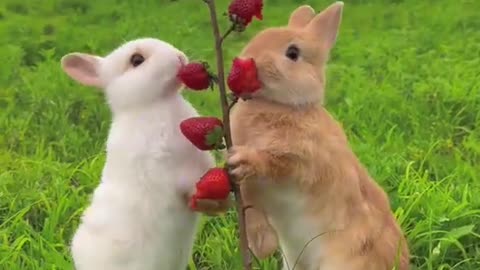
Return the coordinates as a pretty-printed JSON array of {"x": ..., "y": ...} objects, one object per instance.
[{"x": 404, "y": 79}]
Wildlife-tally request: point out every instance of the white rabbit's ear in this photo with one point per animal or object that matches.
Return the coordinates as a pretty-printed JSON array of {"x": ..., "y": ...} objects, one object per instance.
[
  {"x": 83, "y": 68},
  {"x": 301, "y": 16},
  {"x": 326, "y": 24}
]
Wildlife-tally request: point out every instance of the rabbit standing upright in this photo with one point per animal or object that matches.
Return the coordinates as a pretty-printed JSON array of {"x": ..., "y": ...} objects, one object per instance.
[
  {"x": 308, "y": 191},
  {"x": 139, "y": 217}
]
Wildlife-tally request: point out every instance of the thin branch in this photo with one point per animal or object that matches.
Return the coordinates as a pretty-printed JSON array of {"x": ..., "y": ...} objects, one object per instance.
[
  {"x": 244, "y": 250},
  {"x": 254, "y": 257},
  {"x": 305, "y": 246},
  {"x": 221, "y": 71},
  {"x": 230, "y": 30},
  {"x": 234, "y": 101}
]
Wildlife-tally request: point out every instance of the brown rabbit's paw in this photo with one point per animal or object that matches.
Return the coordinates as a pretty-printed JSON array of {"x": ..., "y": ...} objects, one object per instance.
[
  {"x": 243, "y": 162},
  {"x": 262, "y": 240}
]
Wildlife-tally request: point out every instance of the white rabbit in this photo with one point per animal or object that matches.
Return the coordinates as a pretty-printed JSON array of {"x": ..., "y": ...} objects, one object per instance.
[{"x": 139, "y": 217}]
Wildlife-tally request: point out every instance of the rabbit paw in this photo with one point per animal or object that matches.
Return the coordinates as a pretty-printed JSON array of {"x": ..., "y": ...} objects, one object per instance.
[
  {"x": 261, "y": 236},
  {"x": 210, "y": 207},
  {"x": 243, "y": 162}
]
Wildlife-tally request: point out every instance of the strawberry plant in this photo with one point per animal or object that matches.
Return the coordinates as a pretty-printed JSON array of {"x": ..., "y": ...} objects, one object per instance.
[{"x": 208, "y": 133}]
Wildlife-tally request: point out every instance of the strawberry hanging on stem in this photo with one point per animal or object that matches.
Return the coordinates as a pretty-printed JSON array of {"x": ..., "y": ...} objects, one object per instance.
[
  {"x": 196, "y": 76},
  {"x": 214, "y": 185},
  {"x": 241, "y": 13},
  {"x": 206, "y": 133},
  {"x": 243, "y": 78}
]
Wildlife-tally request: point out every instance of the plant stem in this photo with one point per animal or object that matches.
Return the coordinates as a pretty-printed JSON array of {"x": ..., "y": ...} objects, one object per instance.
[
  {"x": 221, "y": 72},
  {"x": 230, "y": 30},
  {"x": 244, "y": 250},
  {"x": 232, "y": 103}
]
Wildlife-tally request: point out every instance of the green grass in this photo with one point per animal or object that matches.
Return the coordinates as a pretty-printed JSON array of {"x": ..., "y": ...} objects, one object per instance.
[{"x": 404, "y": 80}]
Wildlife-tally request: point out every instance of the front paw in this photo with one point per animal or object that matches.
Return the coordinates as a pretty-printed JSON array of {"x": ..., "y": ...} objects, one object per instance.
[
  {"x": 243, "y": 162},
  {"x": 262, "y": 238}
]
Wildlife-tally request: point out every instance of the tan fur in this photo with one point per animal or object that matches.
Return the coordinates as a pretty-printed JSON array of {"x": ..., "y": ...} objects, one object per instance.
[
  {"x": 302, "y": 16},
  {"x": 286, "y": 143}
]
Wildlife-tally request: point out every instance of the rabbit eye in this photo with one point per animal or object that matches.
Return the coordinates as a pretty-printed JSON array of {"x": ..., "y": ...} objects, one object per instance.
[
  {"x": 293, "y": 52},
  {"x": 136, "y": 59}
]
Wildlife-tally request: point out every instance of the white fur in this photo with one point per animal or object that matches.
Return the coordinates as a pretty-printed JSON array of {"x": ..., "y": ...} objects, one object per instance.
[{"x": 138, "y": 218}]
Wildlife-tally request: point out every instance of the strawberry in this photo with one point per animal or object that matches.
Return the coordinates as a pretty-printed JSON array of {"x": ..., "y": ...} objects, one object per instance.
[
  {"x": 195, "y": 76},
  {"x": 243, "y": 78},
  {"x": 213, "y": 185},
  {"x": 203, "y": 132},
  {"x": 242, "y": 11},
  {"x": 258, "y": 9}
]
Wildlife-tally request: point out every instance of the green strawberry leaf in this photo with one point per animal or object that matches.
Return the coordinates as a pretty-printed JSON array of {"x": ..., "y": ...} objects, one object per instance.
[
  {"x": 214, "y": 78},
  {"x": 205, "y": 64},
  {"x": 215, "y": 137}
]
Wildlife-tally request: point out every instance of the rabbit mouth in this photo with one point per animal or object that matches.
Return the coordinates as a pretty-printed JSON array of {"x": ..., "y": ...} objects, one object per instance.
[{"x": 182, "y": 60}]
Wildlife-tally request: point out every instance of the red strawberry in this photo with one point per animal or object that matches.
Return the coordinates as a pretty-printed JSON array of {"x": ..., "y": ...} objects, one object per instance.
[
  {"x": 195, "y": 76},
  {"x": 198, "y": 129},
  {"x": 242, "y": 11},
  {"x": 258, "y": 9},
  {"x": 243, "y": 78},
  {"x": 213, "y": 185}
]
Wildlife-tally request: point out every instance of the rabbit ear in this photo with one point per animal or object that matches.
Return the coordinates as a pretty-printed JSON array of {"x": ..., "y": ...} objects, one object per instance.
[
  {"x": 326, "y": 24},
  {"x": 83, "y": 68},
  {"x": 301, "y": 16}
]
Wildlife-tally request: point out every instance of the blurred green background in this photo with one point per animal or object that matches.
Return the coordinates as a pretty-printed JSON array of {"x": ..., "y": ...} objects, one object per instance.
[{"x": 403, "y": 79}]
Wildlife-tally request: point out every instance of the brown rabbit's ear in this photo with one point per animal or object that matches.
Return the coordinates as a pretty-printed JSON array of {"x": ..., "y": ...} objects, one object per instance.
[
  {"x": 82, "y": 68},
  {"x": 301, "y": 16},
  {"x": 326, "y": 24}
]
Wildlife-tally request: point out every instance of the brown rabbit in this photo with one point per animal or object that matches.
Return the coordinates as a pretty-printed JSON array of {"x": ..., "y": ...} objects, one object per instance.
[{"x": 308, "y": 191}]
